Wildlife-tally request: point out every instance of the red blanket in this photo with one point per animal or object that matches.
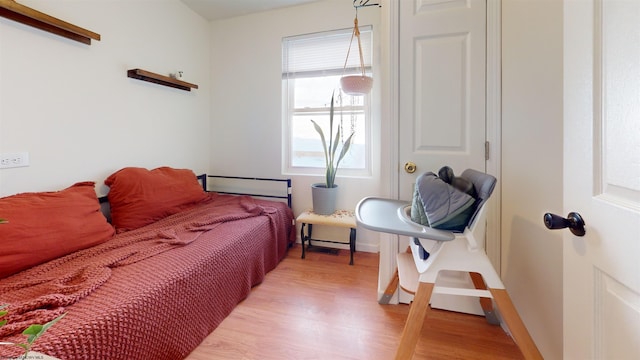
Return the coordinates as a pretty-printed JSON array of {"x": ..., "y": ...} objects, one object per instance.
[{"x": 137, "y": 273}]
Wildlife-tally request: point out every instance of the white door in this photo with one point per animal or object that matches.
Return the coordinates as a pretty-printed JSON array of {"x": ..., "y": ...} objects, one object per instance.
[
  {"x": 442, "y": 87},
  {"x": 602, "y": 179},
  {"x": 442, "y": 97}
]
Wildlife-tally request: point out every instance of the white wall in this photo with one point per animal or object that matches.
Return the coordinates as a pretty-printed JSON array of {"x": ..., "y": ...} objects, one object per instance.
[
  {"x": 532, "y": 165},
  {"x": 72, "y": 107},
  {"x": 246, "y": 98}
]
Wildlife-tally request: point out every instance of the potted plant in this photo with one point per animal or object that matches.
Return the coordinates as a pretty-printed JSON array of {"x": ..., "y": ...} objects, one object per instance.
[
  {"x": 324, "y": 194},
  {"x": 33, "y": 332}
]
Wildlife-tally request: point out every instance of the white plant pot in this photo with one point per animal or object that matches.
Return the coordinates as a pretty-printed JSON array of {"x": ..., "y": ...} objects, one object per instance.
[{"x": 324, "y": 199}]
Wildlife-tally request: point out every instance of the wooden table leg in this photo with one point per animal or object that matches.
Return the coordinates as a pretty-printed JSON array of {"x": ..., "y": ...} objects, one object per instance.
[
  {"x": 302, "y": 238},
  {"x": 352, "y": 244},
  {"x": 415, "y": 320},
  {"x": 518, "y": 331}
]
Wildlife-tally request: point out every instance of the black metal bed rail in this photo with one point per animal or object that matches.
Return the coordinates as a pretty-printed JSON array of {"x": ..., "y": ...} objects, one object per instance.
[{"x": 203, "y": 179}]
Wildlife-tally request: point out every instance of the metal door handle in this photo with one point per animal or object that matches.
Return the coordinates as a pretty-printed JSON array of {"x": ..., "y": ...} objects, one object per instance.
[
  {"x": 410, "y": 167},
  {"x": 573, "y": 221}
]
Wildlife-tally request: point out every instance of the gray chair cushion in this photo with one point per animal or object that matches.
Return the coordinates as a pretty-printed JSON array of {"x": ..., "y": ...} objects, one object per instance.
[
  {"x": 484, "y": 185},
  {"x": 444, "y": 206},
  {"x": 441, "y": 206},
  {"x": 417, "y": 209}
]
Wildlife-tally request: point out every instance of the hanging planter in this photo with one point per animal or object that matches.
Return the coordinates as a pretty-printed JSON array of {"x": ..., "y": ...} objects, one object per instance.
[{"x": 356, "y": 85}]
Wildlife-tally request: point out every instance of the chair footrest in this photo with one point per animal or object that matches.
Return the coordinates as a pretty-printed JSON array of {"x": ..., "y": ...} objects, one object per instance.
[
  {"x": 409, "y": 278},
  {"x": 461, "y": 291},
  {"x": 407, "y": 272}
]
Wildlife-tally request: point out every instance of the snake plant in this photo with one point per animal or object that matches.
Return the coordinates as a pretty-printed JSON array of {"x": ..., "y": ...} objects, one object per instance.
[{"x": 331, "y": 147}]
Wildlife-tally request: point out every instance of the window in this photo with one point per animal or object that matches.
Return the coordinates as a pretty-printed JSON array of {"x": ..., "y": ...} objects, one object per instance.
[{"x": 311, "y": 70}]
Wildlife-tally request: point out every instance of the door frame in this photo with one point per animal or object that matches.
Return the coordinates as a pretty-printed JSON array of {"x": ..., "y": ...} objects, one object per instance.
[
  {"x": 493, "y": 244},
  {"x": 493, "y": 131}
]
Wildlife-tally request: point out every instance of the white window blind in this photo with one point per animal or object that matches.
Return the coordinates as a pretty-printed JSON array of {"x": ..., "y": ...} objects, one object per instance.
[{"x": 314, "y": 55}]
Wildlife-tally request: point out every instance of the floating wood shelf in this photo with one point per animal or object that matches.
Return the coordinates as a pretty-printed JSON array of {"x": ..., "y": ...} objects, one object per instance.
[
  {"x": 28, "y": 16},
  {"x": 160, "y": 79}
]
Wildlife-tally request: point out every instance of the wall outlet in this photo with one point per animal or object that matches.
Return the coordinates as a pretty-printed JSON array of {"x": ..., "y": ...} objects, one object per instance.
[{"x": 12, "y": 160}]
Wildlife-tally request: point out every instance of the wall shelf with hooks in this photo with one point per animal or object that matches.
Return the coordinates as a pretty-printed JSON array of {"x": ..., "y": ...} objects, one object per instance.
[
  {"x": 10, "y": 9},
  {"x": 160, "y": 79}
]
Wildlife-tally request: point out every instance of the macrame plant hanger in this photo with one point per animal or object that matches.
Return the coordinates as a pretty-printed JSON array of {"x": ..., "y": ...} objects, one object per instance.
[{"x": 356, "y": 85}]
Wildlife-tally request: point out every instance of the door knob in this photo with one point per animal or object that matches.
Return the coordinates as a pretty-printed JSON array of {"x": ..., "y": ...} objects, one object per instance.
[
  {"x": 410, "y": 167},
  {"x": 573, "y": 221}
]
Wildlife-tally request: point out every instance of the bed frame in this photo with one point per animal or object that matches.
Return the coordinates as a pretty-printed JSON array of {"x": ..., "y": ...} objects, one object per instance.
[
  {"x": 258, "y": 187},
  {"x": 267, "y": 188},
  {"x": 262, "y": 188}
]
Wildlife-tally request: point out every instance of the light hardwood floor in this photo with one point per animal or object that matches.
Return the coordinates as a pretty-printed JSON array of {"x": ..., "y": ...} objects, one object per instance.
[{"x": 322, "y": 308}]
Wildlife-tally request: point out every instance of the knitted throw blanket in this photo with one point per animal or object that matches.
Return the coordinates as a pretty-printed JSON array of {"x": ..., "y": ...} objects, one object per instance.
[{"x": 40, "y": 294}]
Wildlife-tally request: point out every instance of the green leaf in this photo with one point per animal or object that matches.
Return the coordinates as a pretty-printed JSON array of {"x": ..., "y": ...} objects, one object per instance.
[
  {"x": 331, "y": 130},
  {"x": 345, "y": 148},
  {"x": 34, "y": 331},
  {"x": 324, "y": 144},
  {"x": 330, "y": 177},
  {"x": 335, "y": 147},
  {"x": 3, "y": 313}
]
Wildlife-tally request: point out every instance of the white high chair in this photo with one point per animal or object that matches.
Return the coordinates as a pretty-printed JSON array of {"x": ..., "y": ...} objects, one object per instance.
[{"x": 435, "y": 250}]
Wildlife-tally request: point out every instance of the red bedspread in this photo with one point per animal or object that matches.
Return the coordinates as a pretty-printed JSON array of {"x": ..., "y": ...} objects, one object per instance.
[{"x": 154, "y": 292}]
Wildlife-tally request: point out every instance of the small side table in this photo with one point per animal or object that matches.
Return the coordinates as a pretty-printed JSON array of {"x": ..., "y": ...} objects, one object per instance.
[{"x": 340, "y": 218}]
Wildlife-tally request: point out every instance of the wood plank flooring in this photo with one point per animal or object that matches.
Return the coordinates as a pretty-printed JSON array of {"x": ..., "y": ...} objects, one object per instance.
[{"x": 322, "y": 308}]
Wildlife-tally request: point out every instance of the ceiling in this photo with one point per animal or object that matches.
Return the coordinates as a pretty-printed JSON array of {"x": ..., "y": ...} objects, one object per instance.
[{"x": 222, "y": 9}]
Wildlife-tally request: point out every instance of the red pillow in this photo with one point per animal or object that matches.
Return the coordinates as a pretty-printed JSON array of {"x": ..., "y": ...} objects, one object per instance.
[
  {"x": 139, "y": 197},
  {"x": 47, "y": 225}
]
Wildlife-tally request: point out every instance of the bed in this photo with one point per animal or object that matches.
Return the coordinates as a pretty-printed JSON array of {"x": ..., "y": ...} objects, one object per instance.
[{"x": 153, "y": 291}]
